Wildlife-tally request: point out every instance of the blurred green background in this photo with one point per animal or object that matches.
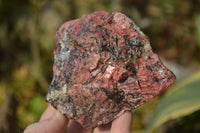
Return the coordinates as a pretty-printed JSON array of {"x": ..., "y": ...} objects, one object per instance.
[{"x": 27, "y": 41}]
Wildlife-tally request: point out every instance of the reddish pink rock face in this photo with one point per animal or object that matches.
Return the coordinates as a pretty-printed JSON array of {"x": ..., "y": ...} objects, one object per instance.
[{"x": 103, "y": 66}]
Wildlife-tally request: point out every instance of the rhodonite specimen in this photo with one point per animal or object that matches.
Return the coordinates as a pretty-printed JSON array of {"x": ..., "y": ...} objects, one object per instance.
[{"x": 103, "y": 66}]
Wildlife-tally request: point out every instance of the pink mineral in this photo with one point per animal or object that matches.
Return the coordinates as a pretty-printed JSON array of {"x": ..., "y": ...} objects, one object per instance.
[{"x": 103, "y": 66}]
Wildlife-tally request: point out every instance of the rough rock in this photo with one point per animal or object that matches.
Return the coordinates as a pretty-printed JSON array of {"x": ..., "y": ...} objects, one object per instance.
[{"x": 103, "y": 66}]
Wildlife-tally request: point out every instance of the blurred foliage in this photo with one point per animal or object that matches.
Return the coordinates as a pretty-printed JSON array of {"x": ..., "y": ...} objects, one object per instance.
[
  {"x": 27, "y": 40},
  {"x": 198, "y": 29},
  {"x": 183, "y": 100}
]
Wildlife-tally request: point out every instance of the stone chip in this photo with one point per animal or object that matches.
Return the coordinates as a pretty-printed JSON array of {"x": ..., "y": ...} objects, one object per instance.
[{"x": 103, "y": 66}]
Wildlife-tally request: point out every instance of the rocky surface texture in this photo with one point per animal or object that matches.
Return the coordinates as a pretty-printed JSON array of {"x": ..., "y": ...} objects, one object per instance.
[{"x": 103, "y": 66}]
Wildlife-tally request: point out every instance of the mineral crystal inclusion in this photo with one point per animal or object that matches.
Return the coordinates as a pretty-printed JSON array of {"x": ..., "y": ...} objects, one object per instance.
[{"x": 104, "y": 66}]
